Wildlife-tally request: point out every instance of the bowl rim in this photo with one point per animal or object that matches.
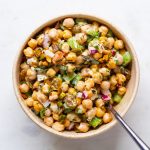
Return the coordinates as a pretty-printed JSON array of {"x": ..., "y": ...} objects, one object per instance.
[{"x": 28, "y": 112}]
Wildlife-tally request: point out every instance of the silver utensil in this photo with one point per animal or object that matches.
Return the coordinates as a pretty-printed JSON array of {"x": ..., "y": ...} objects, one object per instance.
[{"x": 134, "y": 136}]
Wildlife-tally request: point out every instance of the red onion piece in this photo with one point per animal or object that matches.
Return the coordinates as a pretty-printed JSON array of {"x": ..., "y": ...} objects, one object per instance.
[
  {"x": 93, "y": 51},
  {"x": 118, "y": 85},
  {"x": 113, "y": 52},
  {"x": 45, "y": 104},
  {"x": 105, "y": 97},
  {"x": 79, "y": 94},
  {"x": 46, "y": 41},
  {"x": 84, "y": 94},
  {"x": 71, "y": 126}
]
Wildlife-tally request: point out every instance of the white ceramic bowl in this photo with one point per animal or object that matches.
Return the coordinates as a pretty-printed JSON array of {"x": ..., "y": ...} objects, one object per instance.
[{"x": 121, "y": 108}]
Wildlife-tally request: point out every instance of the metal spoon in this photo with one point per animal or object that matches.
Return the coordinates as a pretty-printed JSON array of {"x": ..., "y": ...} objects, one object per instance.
[{"x": 134, "y": 136}]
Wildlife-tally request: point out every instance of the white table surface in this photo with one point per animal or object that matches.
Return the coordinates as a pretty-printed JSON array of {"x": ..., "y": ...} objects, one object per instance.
[{"x": 18, "y": 19}]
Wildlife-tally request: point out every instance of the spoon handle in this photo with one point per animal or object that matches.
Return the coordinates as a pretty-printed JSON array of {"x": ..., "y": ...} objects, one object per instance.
[{"x": 134, "y": 136}]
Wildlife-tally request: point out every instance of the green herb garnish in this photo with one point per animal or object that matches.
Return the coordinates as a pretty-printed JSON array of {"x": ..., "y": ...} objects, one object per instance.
[
  {"x": 95, "y": 122},
  {"x": 42, "y": 112},
  {"x": 76, "y": 79},
  {"x": 74, "y": 44},
  {"x": 117, "y": 98},
  {"x": 126, "y": 58},
  {"x": 69, "y": 77}
]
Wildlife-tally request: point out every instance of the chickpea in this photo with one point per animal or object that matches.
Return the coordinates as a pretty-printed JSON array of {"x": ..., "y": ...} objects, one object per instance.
[
  {"x": 97, "y": 77},
  {"x": 65, "y": 47},
  {"x": 34, "y": 95},
  {"x": 120, "y": 78},
  {"x": 72, "y": 91},
  {"x": 118, "y": 44},
  {"x": 94, "y": 68},
  {"x": 95, "y": 26},
  {"x": 54, "y": 107},
  {"x": 60, "y": 32},
  {"x": 79, "y": 60},
  {"x": 103, "y": 30},
  {"x": 47, "y": 112},
  {"x": 110, "y": 43},
  {"x": 58, "y": 126},
  {"x": 47, "y": 81},
  {"x": 117, "y": 70},
  {"x": 32, "y": 61},
  {"x": 46, "y": 30},
  {"x": 24, "y": 88},
  {"x": 68, "y": 23},
  {"x": 113, "y": 80},
  {"x": 122, "y": 51},
  {"x": 41, "y": 97},
  {"x": 37, "y": 106},
  {"x": 99, "y": 103},
  {"x": 76, "y": 29},
  {"x": 48, "y": 59},
  {"x": 31, "y": 74},
  {"x": 89, "y": 93},
  {"x": 107, "y": 118},
  {"x": 119, "y": 59},
  {"x": 80, "y": 86},
  {"x": 51, "y": 73},
  {"x": 29, "y": 102},
  {"x": 106, "y": 52},
  {"x": 58, "y": 58},
  {"x": 71, "y": 57},
  {"x": 105, "y": 85},
  {"x": 70, "y": 68},
  {"x": 97, "y": 56},
  {"x": 87, "y": 103},
  {"x": 112, "y": 87},
  {"x": 55, "y": 116},
  {"x": 83, "y": 127},
  {"x": 86, "y": 72},
  {"x": 22, "y": 74},
  {"x": 111, "y": 64},
  {"x": 66, "y": 123},
  {"x": 48, "y": 121},
  {"x": 53, "y": 96},
  {"x": 67, "y": 34},
  {"x": 43, "y": 63},
  {"x": 53, "y": 33},
  {"x": 78, "y": 100},
  {"x": 81, "y": 38},
  {"x": 86, "y": 53},
  {"x": 24, "y": 66},
  {"x": 122, "y": 90},
  {"x": 104, "y": 71},
  {"x": 100, "y": 112},
  {"x": 85, "y": 28},
  {"x": 32, "y": 43},
  {"x": 46, "y": 88},
  {"x": 80, "y": 109},
  {"x": 73, "y": 117},
  {"x": 28, "y": 52},
  {"x": 89, "y": 83},
  {"x": 91, "y": 114},
  {"x": 64, "y": 87},
  {"x": 40, "y": 39}
]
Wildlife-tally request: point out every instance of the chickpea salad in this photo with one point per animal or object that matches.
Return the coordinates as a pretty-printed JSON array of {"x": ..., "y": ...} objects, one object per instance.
[{"x": 71, "y": 71}]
